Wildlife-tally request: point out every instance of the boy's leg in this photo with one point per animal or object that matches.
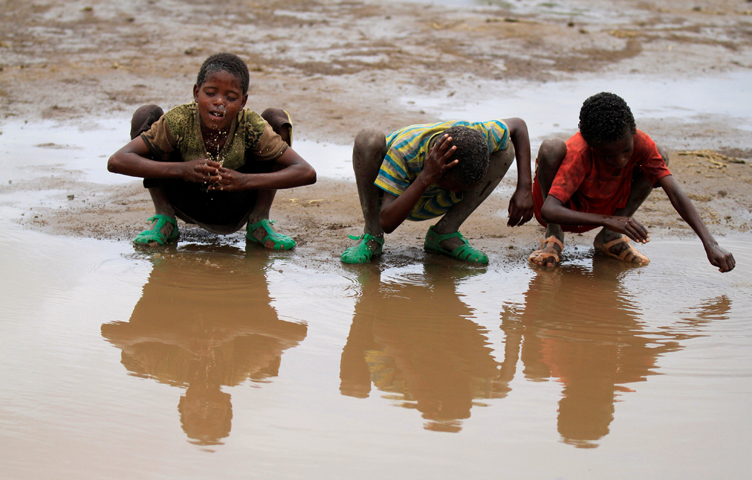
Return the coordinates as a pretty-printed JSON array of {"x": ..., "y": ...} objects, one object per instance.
[
  {"x": 258, "y": 221},
  {"x": 142, "y": 120},
  {"x": 638, "y": 193},
  {"x": 369, "y": 151},
  {"x": 550, "y": 156}
]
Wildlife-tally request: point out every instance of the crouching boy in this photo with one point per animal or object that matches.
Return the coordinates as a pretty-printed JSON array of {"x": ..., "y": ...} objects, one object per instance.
[
  {"x": 422, "y": 172},
  {"x": 599, "y": 178}
]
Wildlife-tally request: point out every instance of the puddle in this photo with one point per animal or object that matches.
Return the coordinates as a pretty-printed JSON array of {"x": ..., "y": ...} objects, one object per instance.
[{"x": 120, "y": 363}]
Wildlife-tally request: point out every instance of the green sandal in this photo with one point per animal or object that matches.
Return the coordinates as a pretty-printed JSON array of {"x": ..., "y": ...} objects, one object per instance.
[
  {"x": 272, "y": 240},
  {"x": 155, "y": 235},
  {"x": 361, "y": 253},
  {"x": 463, "y": 252}
]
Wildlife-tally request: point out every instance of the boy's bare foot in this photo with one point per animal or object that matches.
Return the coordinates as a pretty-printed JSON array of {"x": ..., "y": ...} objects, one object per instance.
[
  {"x": 548, "y": 255},
  {"x": 621, "y": 249}
]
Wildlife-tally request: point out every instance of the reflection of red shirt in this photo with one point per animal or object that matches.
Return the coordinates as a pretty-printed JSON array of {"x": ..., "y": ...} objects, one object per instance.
[{"x": 587, "y": 186}]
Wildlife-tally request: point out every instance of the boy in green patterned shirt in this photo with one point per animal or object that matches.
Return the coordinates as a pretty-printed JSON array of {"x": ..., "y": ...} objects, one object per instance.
[
  {"x": 426, "y": 171},
  {"x": 213, "y": 162}
]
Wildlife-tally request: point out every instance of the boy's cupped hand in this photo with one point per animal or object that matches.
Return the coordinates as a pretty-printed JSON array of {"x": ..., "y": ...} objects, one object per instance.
[{"x": 202, "y": 170}]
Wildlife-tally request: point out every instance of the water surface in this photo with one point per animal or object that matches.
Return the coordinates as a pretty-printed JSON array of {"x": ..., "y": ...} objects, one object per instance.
[{"x": 232, "y": 362}]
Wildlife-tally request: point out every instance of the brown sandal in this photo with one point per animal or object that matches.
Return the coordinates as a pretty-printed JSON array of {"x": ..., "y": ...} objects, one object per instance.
[
  {"x": 628, "y": 255},
  {"x": 545, "y": 244}
]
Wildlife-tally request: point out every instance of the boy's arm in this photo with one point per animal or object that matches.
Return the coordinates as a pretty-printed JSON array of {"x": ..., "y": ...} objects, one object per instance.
[
  {"x": 521, "y": 203},
  {"x": 683, "y": 205},
  {"x": 294, "y": 172},
  {"x": 554, "y": 211},
  {"x": 394, "y": 210},
  {"x": 132, "y": 160}
]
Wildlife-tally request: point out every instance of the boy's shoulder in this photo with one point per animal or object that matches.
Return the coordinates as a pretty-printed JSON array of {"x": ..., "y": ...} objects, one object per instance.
[
  {"x": 251, "y": 123},
  {"x": 181, "y": 116}
]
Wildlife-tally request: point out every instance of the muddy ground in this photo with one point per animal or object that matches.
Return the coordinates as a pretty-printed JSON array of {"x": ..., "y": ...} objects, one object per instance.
[{"x": 338, "y": 66}]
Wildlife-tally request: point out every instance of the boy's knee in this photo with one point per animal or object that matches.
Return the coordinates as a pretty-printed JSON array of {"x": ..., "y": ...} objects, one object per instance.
[
  {"x": 664, "y": 153},
  {"x": 369, "y": 141},
  {"x": 500, "y": 161},
  {"x": 275, "y": 117},
  {"x": 143, "y": 118},
  {"x": 552, "y": 151}
]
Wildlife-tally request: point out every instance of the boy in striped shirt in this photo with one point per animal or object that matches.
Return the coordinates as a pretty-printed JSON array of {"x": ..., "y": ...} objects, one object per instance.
[{"x": 443, "y": 169}]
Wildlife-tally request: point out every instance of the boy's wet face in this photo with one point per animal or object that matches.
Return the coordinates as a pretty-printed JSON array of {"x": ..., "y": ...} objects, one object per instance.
[
  {"x": 219, "y": 100},
  {"x": 614, "y": 154}
]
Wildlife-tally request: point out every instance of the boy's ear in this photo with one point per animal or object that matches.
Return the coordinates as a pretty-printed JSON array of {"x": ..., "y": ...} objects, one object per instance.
[
  {"x": 195, "y": 93},
  {"x": 245, "y": 99}
]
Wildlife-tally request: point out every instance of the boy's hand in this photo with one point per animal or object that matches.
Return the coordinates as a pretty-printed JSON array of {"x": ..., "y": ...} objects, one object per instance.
[
  {"x": 629, "y": 227},
  {"x": 202, "y": 170},
  {"x": 229, "y": 181},
  {"x": 520, "y": 207},
  {"x": 721, "y": 258},
  {"x": 435, "y": 166}
]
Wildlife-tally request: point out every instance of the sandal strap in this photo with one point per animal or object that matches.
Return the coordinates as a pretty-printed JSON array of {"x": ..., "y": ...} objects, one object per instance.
[
  {"x": 468, "y": 253},
  {"x": 553, "y": 239},
  {"x": 163, "y": 219},
  {"x": 367, "y": 237},
  {"x": 440, "y": 237},
  {"x": 621, "y": 239}
]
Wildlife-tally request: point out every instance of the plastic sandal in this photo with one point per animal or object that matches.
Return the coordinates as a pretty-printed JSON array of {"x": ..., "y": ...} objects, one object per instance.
[
  {"x": 154, "y": 236},
  {"x": 272, "y": 240},
  {"x": 628, "y": 255},
  {"x": 463, "y": 252},
  {"x": 545, "y": 244},
  {"x": 361, "y": 253}
]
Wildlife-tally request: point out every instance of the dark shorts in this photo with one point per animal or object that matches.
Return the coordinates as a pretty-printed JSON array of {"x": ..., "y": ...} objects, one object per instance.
[{"x": 194, "y": 204}]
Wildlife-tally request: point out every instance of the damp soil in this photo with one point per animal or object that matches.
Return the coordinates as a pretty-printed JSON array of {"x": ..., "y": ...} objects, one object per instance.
[{"x": 340, "y": 66}]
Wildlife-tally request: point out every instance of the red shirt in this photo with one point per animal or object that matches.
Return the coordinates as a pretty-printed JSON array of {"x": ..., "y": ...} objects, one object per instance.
[{"x": 591, "y": 187}]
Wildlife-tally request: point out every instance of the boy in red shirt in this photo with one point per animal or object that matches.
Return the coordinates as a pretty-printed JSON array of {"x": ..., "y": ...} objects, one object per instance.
[{"x": 600, "y": 177}]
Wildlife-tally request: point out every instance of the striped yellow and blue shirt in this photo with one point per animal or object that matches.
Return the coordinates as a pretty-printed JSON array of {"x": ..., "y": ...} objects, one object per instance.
[{"x": 407, "y": 149}]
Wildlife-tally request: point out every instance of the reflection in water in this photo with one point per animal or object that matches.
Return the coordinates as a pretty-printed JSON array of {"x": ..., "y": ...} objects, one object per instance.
[
  {"x": 413, "y": 338},
  {"x": 204, "y": 321},
  {"x": 579, "y": 327}
]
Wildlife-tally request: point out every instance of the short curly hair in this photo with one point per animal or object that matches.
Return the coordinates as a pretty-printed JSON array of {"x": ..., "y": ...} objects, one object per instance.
[
  {"x": 472, "y": 153},
  {"x": 604, "y": 118},
  {"x": 225, "y": 62}
]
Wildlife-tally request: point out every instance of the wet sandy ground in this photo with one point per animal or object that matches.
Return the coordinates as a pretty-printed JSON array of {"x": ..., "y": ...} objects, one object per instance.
[
  {"x": 218, "y": 360},
  {"x": 341, "y": 66}
]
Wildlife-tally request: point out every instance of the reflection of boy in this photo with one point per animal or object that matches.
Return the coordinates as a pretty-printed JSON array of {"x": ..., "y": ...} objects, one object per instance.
[
  {"x": 600, "y": 177},
  {"x": 426, "y": 171}
]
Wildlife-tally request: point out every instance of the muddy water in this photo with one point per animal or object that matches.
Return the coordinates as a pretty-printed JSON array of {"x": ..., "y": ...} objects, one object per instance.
[{"x": 232, "y": 362}]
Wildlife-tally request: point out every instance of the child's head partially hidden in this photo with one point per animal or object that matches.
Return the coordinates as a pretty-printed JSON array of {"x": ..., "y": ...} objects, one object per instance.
[
  {"x": 221, "y": 90},
  {"x": 472, "y": 154},
  {"x": 608, "y": 127}
]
